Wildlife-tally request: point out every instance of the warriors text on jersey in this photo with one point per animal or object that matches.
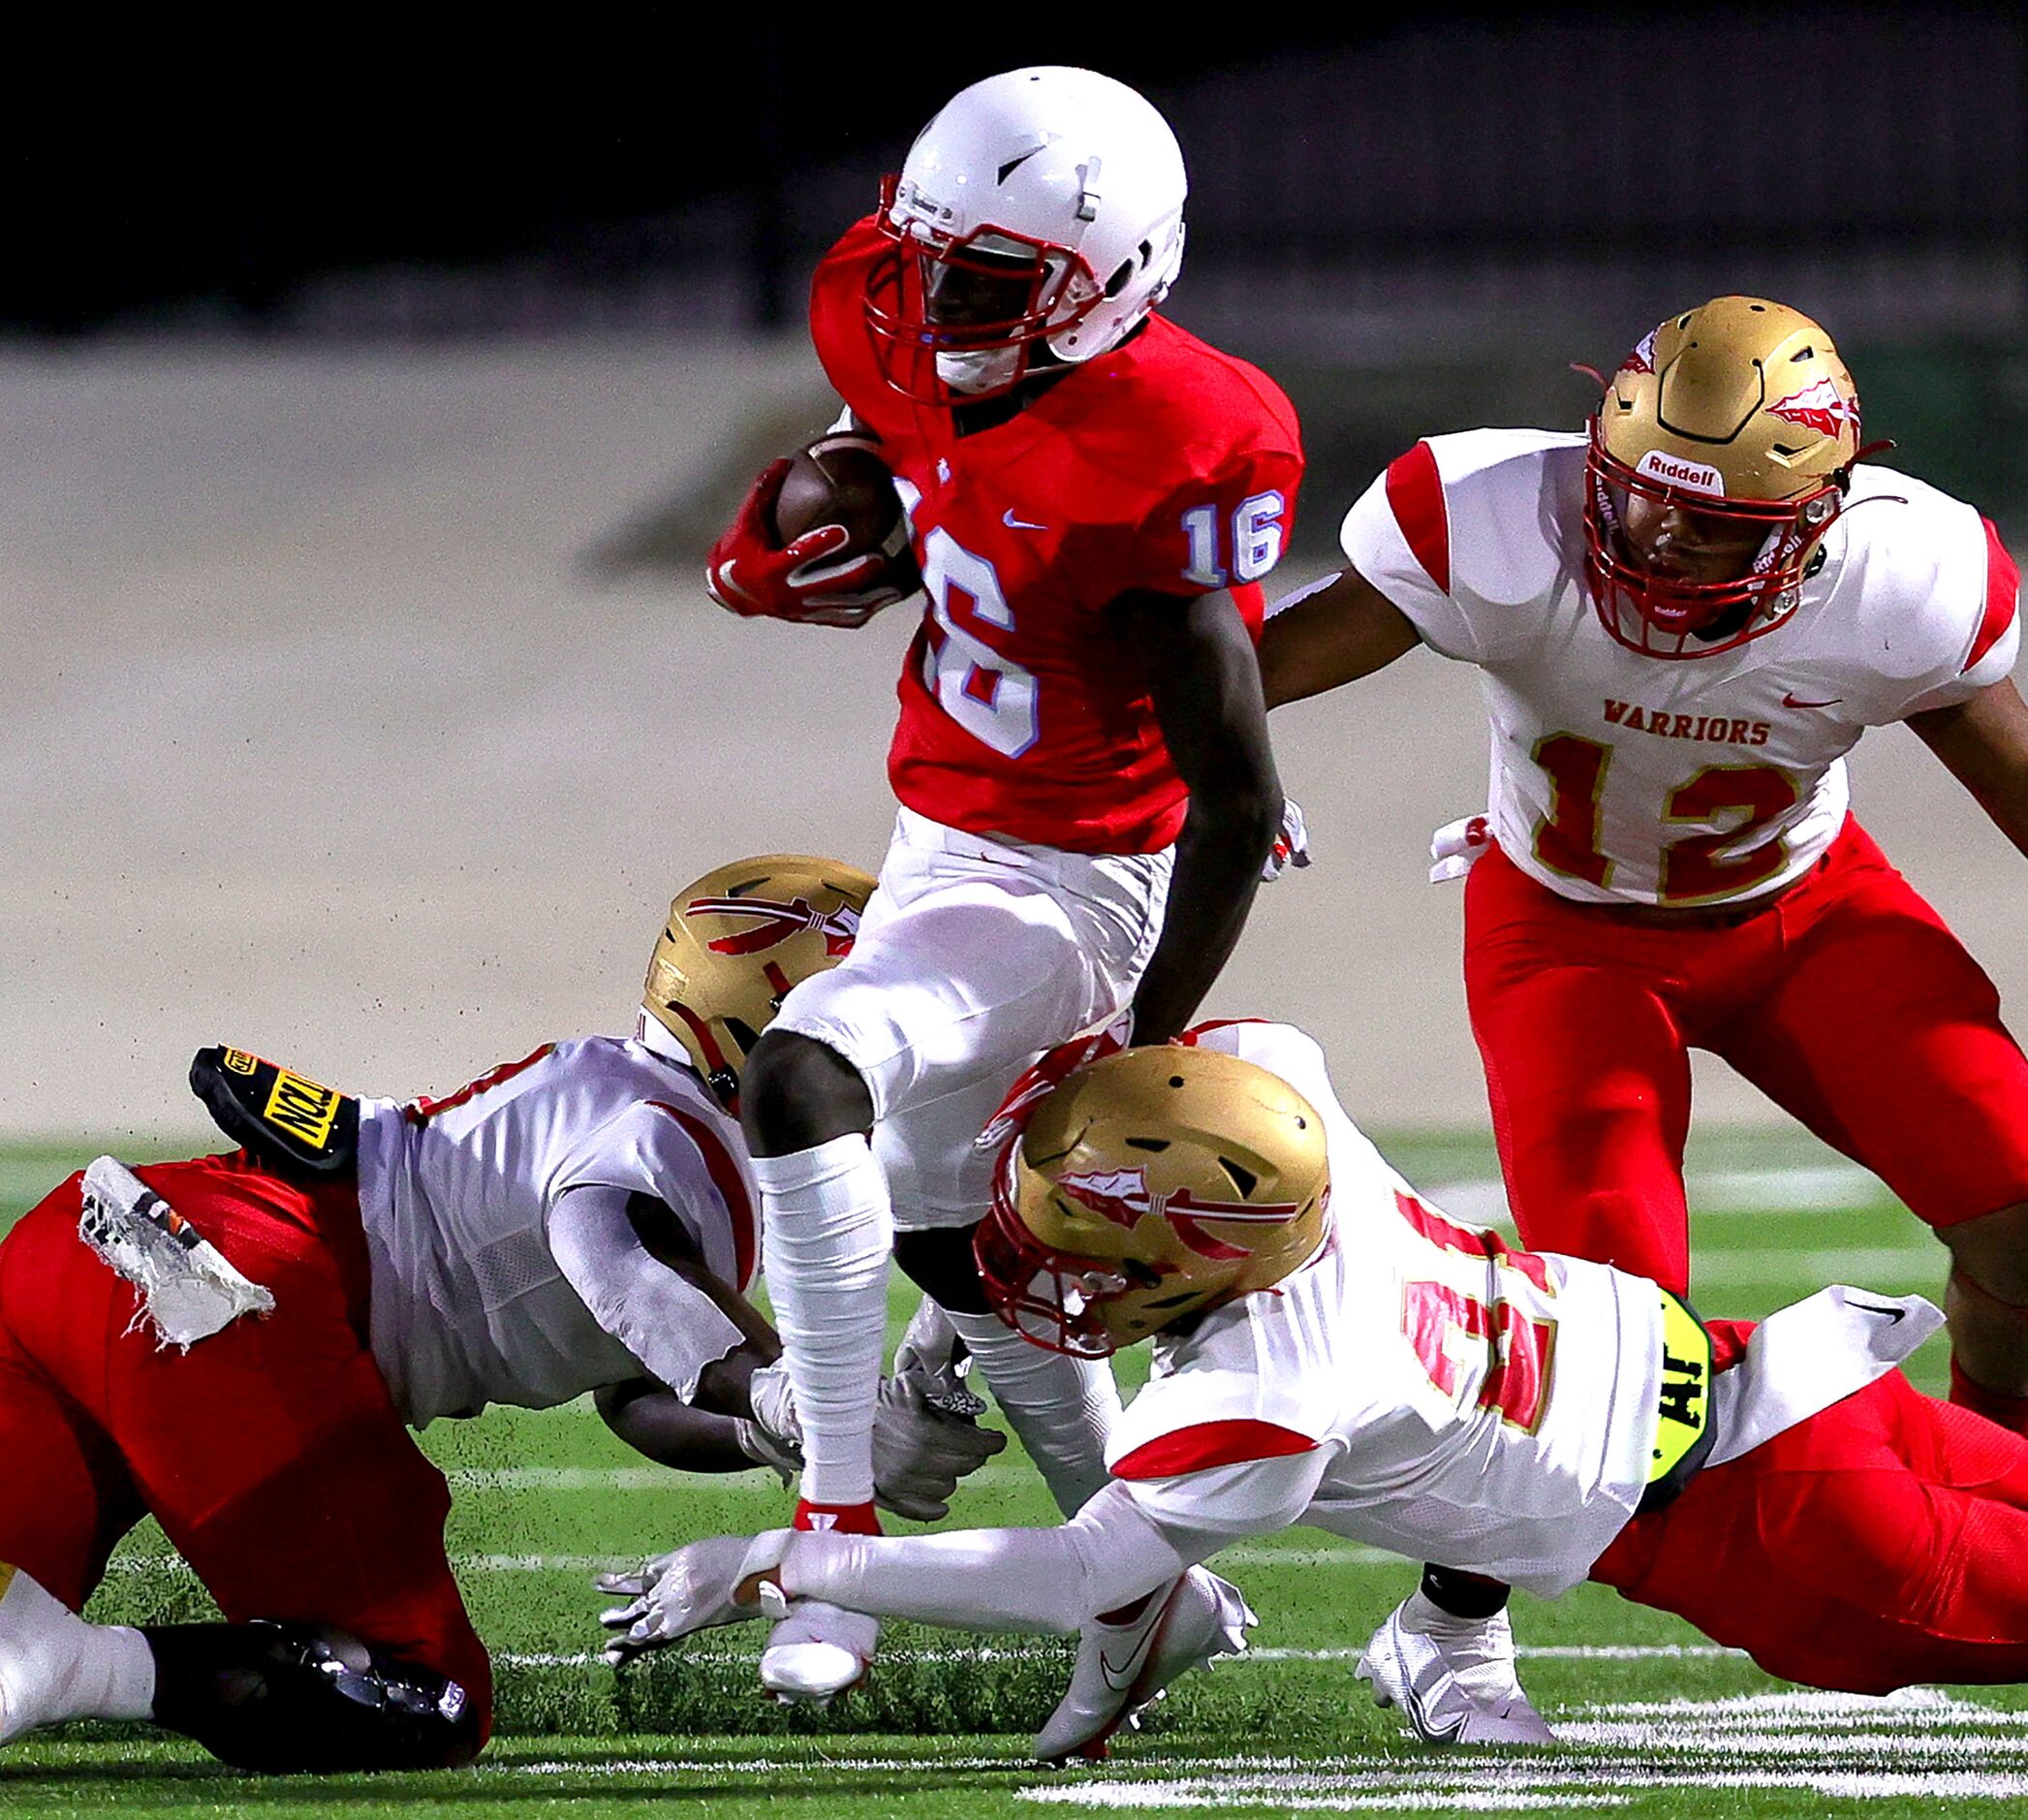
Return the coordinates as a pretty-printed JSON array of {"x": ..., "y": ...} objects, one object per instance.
[
  {"x": 1621, "y": 778},
  {"x": 1418, "y": 1387},
  {"x": 1162, "y": 466},
  {"x": 469, "y": 1306}
]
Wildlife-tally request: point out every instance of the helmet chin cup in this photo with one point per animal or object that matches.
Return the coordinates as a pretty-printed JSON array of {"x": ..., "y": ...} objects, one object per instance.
[{"x": 980, "y": 373}]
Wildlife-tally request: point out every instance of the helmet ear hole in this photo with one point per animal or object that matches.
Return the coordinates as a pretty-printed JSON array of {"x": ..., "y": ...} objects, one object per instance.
[
  {"x": 1244, "y": 1180},
  {"x": 742, "y": 1033}
]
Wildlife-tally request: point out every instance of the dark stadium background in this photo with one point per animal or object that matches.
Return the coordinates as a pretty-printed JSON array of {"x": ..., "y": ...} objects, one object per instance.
[
  {"x": 372, "y": 384},
  {"x": 1430, "y": 195}
]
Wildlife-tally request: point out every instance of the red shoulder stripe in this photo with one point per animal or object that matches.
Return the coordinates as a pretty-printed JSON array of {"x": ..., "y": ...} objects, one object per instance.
[
  {"x": 1189, "y": 1038},
  {"x": 1210, "y": 1444},
  {"x": 1416, "y": 491},
  {"x": 2003, "y": 592},
  {"x": 731, "y": 1186}
]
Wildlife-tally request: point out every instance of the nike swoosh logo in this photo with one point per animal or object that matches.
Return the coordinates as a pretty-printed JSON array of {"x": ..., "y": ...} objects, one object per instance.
[
  {"x": 1790, "y": 700},
  {"x": 1873, "y": 1307},
  {"x": 1013, "y": 523},
  {"x": 1120, "y": 1675}
]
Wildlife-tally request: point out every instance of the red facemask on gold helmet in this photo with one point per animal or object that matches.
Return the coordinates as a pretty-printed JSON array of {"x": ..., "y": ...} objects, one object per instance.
[
  {"x": 1153, "y": 1185},
  {"x": 1718, "y": 459}
]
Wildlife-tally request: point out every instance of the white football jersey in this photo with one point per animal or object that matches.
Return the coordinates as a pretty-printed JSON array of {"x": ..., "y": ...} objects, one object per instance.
[
  {"x": 1416, "y": 1386},
  {"x": 1618, "y": 777},
  {"x": 469, "y": 1306}
]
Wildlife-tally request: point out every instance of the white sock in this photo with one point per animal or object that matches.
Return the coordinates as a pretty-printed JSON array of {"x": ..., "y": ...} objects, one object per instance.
[
  {"x": 827, "y": 1232},
  {"x": 1063, "y": 1408},
  {"x": 55, "y": 1665}
]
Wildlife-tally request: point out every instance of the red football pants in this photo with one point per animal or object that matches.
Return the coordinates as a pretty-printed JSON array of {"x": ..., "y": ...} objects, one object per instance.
[
  {"x": 1883, "y": 1541},
  {"x": 269, "y": 1453},
  {"x": 1846, "y": 1001}
]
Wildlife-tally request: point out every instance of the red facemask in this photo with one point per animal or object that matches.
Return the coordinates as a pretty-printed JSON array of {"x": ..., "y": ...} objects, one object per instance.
[{"x": 1672, "y": 617}]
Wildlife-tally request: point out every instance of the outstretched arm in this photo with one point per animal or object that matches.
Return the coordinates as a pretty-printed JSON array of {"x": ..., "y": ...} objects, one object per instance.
[
  {"x": 1334, "y": 633},
  {"x": 1984, "y": 743},
  {"x": 1127, "y": 1541},
  {"x": 1048, "y": 1581},
  {"x": 1207, "y": 689}
]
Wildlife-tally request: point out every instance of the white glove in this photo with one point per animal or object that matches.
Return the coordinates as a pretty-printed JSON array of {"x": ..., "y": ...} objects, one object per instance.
[
  {"x": 920, "y": 1451},
  {"x": 686, "y": 1591},
  {"x": 932, "y": 1350},
  {"x": 774, "y": 1436},
  {"x": 1291, "y": 845},
  {"x": 924, "y": 1438},
  {"x": 1456, "y": 847}
]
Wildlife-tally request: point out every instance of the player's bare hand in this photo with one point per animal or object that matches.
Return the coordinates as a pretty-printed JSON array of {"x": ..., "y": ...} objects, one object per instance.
[
  {"x": 1291, "y": 844},
  {"x": 808, "y": 581},
  {"x": 691, "y": 1589}
]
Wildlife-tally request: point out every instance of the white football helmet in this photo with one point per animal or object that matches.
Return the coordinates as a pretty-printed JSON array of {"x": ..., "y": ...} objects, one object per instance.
[{"x": 1043, "y": 207}]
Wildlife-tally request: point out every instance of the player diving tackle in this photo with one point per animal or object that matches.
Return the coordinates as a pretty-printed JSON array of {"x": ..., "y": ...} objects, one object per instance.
[
  {"x": 1331, "y": 1349},
  {"x": 235, "y": 1344}
]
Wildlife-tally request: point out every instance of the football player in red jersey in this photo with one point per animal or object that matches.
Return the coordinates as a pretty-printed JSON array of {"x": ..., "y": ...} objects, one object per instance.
[
  {"x": 236, "y": 1344},
  {"x": 1683, "y": 619},
  {"x": 1094, "y": 496}
]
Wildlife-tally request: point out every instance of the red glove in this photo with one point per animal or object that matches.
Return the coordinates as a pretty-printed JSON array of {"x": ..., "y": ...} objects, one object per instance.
[{"x": 747, "y": 575}]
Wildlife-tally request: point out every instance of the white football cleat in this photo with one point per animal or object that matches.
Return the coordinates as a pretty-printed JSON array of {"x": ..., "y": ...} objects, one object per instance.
[
  {"x": 817, "y": 1650},
  {"x": 1453, "y": 1677},
  {"x": 1122, "y": 1669}
]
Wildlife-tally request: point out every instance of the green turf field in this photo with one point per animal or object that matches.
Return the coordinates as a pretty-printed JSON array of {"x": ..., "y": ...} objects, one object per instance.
[{"x": 1657, "y": 1722}]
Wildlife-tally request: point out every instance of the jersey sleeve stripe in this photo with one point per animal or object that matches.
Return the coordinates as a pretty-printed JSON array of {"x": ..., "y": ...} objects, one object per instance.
[
  {"x": 731, "y": 1185},
  {"x": 2003, "y": 592},
  {"x": 1197, "y": 1031},
  {"x": 1415, "y": 492},
  {"x": 1210, "y": 1444}
]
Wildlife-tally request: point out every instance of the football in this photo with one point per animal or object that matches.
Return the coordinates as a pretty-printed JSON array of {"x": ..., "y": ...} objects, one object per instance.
[{"x": 839, "y": 480}]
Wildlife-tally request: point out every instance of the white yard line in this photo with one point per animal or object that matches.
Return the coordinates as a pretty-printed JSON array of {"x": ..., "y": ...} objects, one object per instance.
[
  {"x": 994, "y": 1652},
  {"x": 1919, "y": 1746},
  {"x": 1813, "y": 1188}
]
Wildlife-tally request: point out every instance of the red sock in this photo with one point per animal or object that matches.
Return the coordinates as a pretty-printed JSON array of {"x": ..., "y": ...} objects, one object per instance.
[
  {"x": 846, "y": 1519},
  {"x": 2010, "y": 1412}
]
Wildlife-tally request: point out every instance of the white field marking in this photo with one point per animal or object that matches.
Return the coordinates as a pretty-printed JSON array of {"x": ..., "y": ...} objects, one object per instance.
[
  {"x": 1861, "y": 1265},
  {"x": 1821, "y": 1188},
  {"x": 1348, "y": 1556},
  {"x": 1920, "y": 1744},
  {"x": 659, "y": 1479},
  {"x": 1542, "y": 1651},
  {"x": 743, "y": 1766},
  {"x": 998, "y": 1652}
]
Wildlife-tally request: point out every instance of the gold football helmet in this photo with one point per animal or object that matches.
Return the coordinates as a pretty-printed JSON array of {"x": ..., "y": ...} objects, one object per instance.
[
  {"x": 736, "y": 941},
  {"x": 1732, "y": 428},
  {"x": 1152, "y": 1184}
]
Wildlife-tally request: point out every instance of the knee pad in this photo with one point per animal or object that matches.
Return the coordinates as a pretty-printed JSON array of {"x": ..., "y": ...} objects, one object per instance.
[{"x": 282, "y": 1697}]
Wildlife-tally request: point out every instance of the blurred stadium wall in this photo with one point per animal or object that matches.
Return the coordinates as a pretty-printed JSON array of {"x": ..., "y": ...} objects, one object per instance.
[{"x": 362, "y": 707}]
